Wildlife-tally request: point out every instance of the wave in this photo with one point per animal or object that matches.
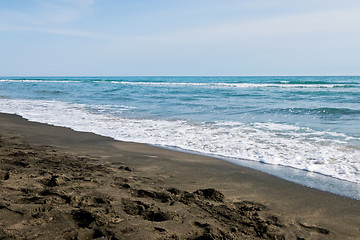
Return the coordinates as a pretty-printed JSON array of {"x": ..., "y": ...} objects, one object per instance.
[
  {"x": 272, "y": 143},
  {"x": 233, "y": 85},
  {"x": 37, "y": 81},
  {"x": 316, "y": 111},
  {"x": 51, "y": 92},
  {"x": 314, "y": 82},
  {"x": 277, "y": 84},
  {"x": 335, "y": 111}
]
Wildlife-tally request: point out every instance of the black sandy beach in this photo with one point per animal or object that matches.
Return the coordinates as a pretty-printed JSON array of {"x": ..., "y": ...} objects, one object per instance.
[{"x": 61, "y": 184}]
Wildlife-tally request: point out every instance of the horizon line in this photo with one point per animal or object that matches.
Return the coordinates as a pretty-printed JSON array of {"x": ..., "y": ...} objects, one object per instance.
[{"x": 337, "y": 75}]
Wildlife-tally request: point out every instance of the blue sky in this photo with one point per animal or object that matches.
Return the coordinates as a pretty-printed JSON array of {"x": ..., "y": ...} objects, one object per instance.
[{"x": 187, "y": 37}]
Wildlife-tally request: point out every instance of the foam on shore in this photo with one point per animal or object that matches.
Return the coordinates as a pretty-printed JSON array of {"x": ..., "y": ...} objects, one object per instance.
[{"x": 326, "y": 153}]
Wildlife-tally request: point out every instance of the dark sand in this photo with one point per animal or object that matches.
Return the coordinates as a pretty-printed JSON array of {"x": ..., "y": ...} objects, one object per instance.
[{"x": 56, "y": 183}]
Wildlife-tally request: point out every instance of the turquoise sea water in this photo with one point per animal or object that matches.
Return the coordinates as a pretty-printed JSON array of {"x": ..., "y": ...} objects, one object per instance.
[{"x": 298, "y": 128}]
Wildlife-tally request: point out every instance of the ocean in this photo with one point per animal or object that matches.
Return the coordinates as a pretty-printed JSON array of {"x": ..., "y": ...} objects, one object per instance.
[{"x": 303, "y": 129}]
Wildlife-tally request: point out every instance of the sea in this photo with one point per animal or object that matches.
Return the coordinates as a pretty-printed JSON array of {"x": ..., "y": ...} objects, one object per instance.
[{"x": 305, "y": 129}]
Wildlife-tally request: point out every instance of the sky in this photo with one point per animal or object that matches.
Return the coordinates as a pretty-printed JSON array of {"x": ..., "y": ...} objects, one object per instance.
[{"x": 184, "y": 37}]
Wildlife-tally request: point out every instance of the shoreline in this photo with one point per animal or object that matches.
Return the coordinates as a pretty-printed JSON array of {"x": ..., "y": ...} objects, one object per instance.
[
  {"x": 314, "y": 180},
  {"x": 304, "y": 212}
]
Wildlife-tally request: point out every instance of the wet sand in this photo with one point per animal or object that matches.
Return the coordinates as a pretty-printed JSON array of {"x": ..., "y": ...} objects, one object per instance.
[{"x": 58, "y": 183}]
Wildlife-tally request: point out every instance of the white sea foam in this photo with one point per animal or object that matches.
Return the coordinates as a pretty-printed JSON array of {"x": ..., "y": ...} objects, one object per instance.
[
  {"x": 232, "y": 85},
  {"x": 37, "y": 81},
  {"x": 283, "y": 84},
  {"x": 271, "y": 143}
]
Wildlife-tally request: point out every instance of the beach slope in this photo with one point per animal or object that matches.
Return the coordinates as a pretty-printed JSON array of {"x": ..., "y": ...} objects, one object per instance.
[{"x": 73, "y": 185}]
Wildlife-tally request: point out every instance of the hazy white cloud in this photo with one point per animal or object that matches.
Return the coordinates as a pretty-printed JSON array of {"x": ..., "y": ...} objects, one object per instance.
[
  {"x": 64, "y": 32},
  {"x": 184, "y": 36},
  {"x": 48, "y": 17},
  {"x": 56, "y": 31},
  {"x": 63, "y": 11},
  {"x": 328, "y": 22},
  {"x": 52, "y": 13},
  {"x": 331, "y": 22},
  {"x": 46, "y": 13},
  {"x": 4, "y": 27}
]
